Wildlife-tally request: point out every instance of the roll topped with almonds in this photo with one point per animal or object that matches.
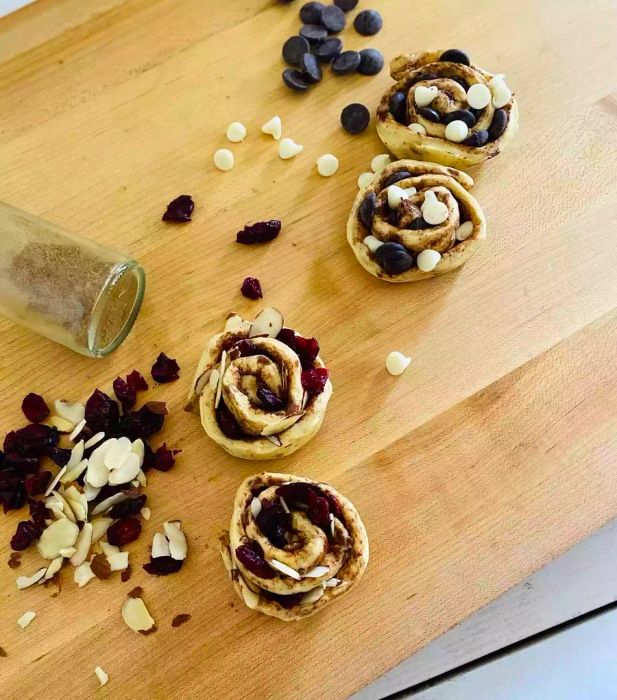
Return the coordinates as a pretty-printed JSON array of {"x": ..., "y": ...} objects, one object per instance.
[
  {"x": 293, "y": 545},
  {"x": 261, "y": 389}
]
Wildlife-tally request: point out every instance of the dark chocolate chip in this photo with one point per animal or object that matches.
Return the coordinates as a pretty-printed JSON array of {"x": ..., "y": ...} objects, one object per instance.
[
  {"x": 371, "y": 62},
  {"x": 463, "y": 115},
  {"x": 309, "y": 65},
  {"x": 476, "y": 140},
  {"x": 346, "y": 62},
  {"x": 328, "y": 49},
  {"x": 498, "y": 125},
  {"x": 393, "y": 258},
  {"x": 425, "y": 76},
  {"x": 476, "y": 112},
  {"x": 393, "y": 217},
  {"x": 368, "y": 22},
  {"x": 313, "y": 32},
  {"x": 396, "y": 177},
  {"x": 429, "y": 113},
  {"x": 346, "y": 5},
  {"x": 295, "y": 80},
  {"x": 366, "y": 210},
  {"x": 463, "y": 83},
  {"x": 455, "y": 56},
  {"x": 418, "y": 224},
  {"x": 294, "y": 48},
  {"x": 333, "y": 19},
  {"x": 355, "y": 118},
  {"x": 398, "y": 107},
  {"x": 310, "y": 12}
]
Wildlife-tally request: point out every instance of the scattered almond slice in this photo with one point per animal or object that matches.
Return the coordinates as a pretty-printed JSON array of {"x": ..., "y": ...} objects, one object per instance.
[
  {"x": 91, "y": 492},
  {"x": 75, "y": 473},
  {"x": 145, "y": 513},
  {"x": 27, "y": 581},
  {"x": 316, "y": 572},
  {"x": 83, "y": 574},
  {"x": 282, "y": 500},
  {"x": 99, "y": 528},
  {"x": 108, "y": 503},
  {"x": 108, "y": 549},
  {"x": 177, "y": 541},
  {"x": 59, "y": 535},
  {"x": 77, "y": 429},
  {"x": 141, "y": 479},
  {"x": 126, "y": 472},
  {"x": 95, "y": 439},
  {"x": 60, "y": 424},
  {"x": 312, "y": 596},
  {"x": 284, "y": 569},
  {"x": 97, "y": 474},
  {"x": 267, "y": 323},
  {"x": 67, "y": 552},
  {"x": 135, "y": 614},
  {"x": 53, "y": 568},
  {"x": 72, "y": 412},
  {"x": 55, "y": 481},
  {"x": 82, "y": 546},
  {"x": 66, "y": 507},
  {"x": 77, "y": 454},
  {"x": 139, "y": 449},
  {"x": 117, "y": 454},
  {"x": 255, "y": 507},
  {"x": 118, "y": 561},
  {"x": 160, "y": 546},
  {"x": 77, "y": 501},
  {"x": 101, "y": 675},
  {"x": 26, "y": 619}
]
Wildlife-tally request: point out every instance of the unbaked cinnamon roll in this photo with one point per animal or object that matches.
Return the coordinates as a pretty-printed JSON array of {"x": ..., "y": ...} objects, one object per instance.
[
  {"x": 446, "y": 110},
  {"x": 261, "y": 389},
  {"x": 293, "y": 545}
]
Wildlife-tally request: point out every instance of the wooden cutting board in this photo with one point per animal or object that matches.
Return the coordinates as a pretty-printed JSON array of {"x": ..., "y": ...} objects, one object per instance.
[{"x": 491, "y": 455}]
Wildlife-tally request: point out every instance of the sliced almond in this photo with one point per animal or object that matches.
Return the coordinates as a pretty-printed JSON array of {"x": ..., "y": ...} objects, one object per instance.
[
  {"x": 141, "y": 479},
  {"x": 55, "y": 481},
  {"x": 255, "y": 507},
  {"x": 332, "y": 582},
  {"x": 129, "y": 469},
  {"x": 305, "y": 399},
  {"x": 77, "y": 430},
  {"x": 251, "y": 600},
  {"x": 284, "y": 504},
  {"x": 136, "y": 615},
  {"x": 177, "y": 541},
  {"x": 97, "y": 474},
  {"x": 118, "y": 561},
  {"x": 274, "y": 439},
  {"x": 53, "y": 568},
  {"x": 78, "y": 502},
  {"x": 82, "y": 546},
  {"x": 77, "y": 454},
  {"x": 219, "y": 386},
  {"x": 316, "y": 572},
  {"x": 59, "y": 535},
  {"x": 160, "y": 546},
  {"x": 75, "y": 473},
  {"x": 145, "y": 513},
  {"x": 109, "y": 502},
  {"x": 215, "y": 376},
  {"x": 67, "y": 552},
  {"x": 60, "y": 424},
  {"x": 282, "y": 425},
  {"x": 109, "y": 549},
  {"x": 95, "y": 439},
  {"x": 139, "y": 449},
  {"x": 99, "y": 528},
  {"x": 91, "y": 492},
  {"x": 117, "y": 454},
  {"x": 284, "y": 569},
  {"x": 27, "y": 581},
  {"x": 66, "y": 507},
  {"x": 72, "y": 412},
  {"x": 26, "y": 619},
  {"x": 203, "y": 379},
  {"x": 101, "y": 675},
  {"x": 267, "y": 323},
  {"x": 83, "y": 574},
  {"x": 312, "y": 596},
  {"x": 234, "y": 322}
]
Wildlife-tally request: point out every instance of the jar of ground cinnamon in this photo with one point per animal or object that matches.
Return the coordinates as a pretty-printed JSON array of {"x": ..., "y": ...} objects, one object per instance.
[{"x": 65, "y": 287}]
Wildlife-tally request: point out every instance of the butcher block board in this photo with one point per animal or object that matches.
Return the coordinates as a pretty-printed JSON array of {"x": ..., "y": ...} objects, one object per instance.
[{"x": 491, "y": 455}]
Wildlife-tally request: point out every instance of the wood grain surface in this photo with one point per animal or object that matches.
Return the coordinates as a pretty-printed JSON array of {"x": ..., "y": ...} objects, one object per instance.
[{"x": 491, "y": 455}]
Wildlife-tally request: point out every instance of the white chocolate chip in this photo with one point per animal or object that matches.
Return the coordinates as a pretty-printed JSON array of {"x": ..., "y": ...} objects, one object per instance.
[
  {"x": 433, "y": 211},
  {"x": 397, "y": 363},
  {"x": 395, "y": 195},
  {"x": 273, "y": 127},
  {"x": 427, "y": 260},
  {"x": 288, "y": 148},
  {"x": 478, "y": 96},
  {"x": 372, "y": 243},
  {"x": 379, "y": 162},
  {"x": 501, "y": 93},
  {"x": 224, "y": 159},
  {"x": 365, "y": 179},
  {"x": 416, "y": 128},
  {"x": 327, "y": 165},
  {"x": 236, "y": 132},
  {"x": 457, "y": 131},
  {"x": 423, "y": 96},
  {"x": 464, "y": 231}
]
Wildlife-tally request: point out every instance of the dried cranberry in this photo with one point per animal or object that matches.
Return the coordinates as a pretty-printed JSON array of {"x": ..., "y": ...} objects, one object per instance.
[
  {"x": 147, "y": 421},
  {"x": 228, "y": 423},
  {"x": 261, "y": 232},
  {"x": 164, "y": 458},
  {"x": 136, "y": 381},
  {"x": 37, "y": 483},
  {"x": 163, "y": 566},
  {"x": 286, "y": 601},
  {"x": 102, "y": 413},
  {"x": 24, "y": 536},
  {"x": 307, "y": 349},
  {"x": 165, "y": 369},
  {"x": 125, "y": 509},
  {"x": 59, "y": 455},
  {"x": 320, "y": 504},
  {"x": 270, "y": 401},
  {"x": 148, "y": 462},
  {"x": 13, "y": 497},
  {"x": 244, "y": 348},
  {"x": 34, "y": 407},
  {"x": 251, "y": 288},
  {"x": 38, "y": 514},
  {"x": 22, "y": 464},
  {"x": 251, "y": 556},
  {"x": 287, "y": 336},
  {"x": 318, "y": 510},
  {"x": 124, "y": 393},
  {"x": 296, "y": 491},
  {"x": 179, "y": 209},
  {"x": 274, "y": 522},
  {"x": 314, "y": 380},
  {"x": 123, "y": 531},
  {"x": 31, "y": 441}
]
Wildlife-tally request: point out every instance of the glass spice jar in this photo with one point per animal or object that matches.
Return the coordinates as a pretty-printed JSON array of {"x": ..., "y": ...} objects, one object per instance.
[{"x": 65, "y": 287}]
